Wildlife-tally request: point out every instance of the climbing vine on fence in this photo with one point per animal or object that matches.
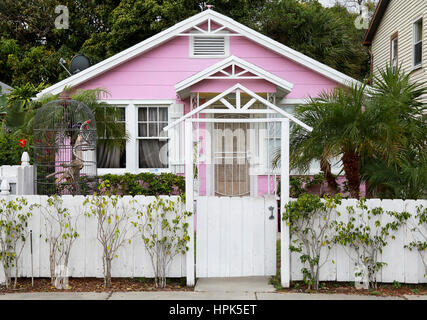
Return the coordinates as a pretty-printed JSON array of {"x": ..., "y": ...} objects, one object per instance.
[
  {"x": 309, "y": 218},
  {"x": 163, "y": 227},
  {"x": 418, "y": 226},
  {"x": 367, "y": 234}
]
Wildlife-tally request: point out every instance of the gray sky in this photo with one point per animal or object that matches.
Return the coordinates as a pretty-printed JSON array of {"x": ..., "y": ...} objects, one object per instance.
[{"x": 327, "y": 2}]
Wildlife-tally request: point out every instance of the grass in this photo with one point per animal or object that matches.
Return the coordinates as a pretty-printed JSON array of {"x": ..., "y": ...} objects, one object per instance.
[{"x": 275, "y": 280}]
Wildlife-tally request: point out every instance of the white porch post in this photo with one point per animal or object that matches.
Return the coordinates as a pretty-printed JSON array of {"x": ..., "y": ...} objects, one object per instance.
[
  {"x": 189, "y": 203},
  {"x": 285, "y": 264}
]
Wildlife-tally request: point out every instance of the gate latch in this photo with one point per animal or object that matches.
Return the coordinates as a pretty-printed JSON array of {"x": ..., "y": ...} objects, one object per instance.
[{"x": 271, "y": 208}]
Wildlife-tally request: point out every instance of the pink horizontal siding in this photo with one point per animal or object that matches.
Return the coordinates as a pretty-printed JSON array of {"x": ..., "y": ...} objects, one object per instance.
[
  {"x": 215, "y": 85},
  {"x": 153, "y": 74}
]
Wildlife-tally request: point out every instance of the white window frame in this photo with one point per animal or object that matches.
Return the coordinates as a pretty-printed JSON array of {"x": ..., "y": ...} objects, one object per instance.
[
  {"x": 394, "y": 53},
  {"x": 138, "y": 138},
  {"x": 131, "y": 116},
  {"x": 266, "y": 138},
  {"x": 414, "y": 25},
  {"x": 218, "y": 34},
  {"x": 102, "y": 171}
]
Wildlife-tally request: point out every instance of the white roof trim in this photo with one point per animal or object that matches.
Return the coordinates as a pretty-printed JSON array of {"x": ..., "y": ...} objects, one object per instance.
[
  {"x": 175, "y": 30},
  {"x": 238, "y": 86},
  {"x": 233, "y": 60}
]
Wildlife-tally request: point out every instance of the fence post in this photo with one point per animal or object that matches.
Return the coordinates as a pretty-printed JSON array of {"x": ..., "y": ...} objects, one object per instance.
[
  {"x": 25, "y": 159},
  {"x": 4, "y": 188},
  {"x": 189, "y": 204},
  {"x": 285, "y": 261}
]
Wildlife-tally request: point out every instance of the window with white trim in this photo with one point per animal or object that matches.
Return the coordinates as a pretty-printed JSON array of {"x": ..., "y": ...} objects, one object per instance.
[
  {"x": 394, "y": 50},
  {"x": 418, "y": 42},
  {"x": 209, "y": 46},
  {"x": 112, "y": 154},
  {"x": 152, "y": 140}
]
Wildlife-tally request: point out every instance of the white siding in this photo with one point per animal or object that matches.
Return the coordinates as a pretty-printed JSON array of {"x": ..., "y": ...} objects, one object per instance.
[{"x": 400, "y": 17}]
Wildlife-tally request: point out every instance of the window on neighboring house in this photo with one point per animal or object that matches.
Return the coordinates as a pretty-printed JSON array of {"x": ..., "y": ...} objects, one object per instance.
[
  {"x": 111, "y": 152},
  {"x": 152, "y": 140},
  {"x": 394, "y": 52},
  {"x": 418, "y": 42},
  {"x": 209, "y": 46}
]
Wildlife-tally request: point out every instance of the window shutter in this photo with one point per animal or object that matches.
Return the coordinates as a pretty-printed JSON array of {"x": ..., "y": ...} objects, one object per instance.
[
  {"x": 209, "y": 46},
  {"x": 176, "y": 139}
]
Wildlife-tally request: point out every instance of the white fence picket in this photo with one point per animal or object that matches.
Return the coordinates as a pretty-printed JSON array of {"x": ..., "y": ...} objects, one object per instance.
[
  {"x": 342, "y": 259},
  {"x": 422, "y": 269},
  {"x": 411, "y": 257},
  {"x": 236, "y": 251}
]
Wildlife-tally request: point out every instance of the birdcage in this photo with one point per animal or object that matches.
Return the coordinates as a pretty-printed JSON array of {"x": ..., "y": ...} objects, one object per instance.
[{"x": 65, "y": 148}]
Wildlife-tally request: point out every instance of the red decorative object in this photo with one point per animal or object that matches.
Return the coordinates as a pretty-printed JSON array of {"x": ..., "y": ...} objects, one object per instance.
[{"x": 22, "y": 142}]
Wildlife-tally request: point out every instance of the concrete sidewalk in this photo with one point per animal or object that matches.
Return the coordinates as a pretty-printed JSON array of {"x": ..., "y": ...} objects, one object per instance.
[
  {"x": 237, "y": 284},
  {"x": 244, "y": 288},
  {"x": 189, "y": 295}
]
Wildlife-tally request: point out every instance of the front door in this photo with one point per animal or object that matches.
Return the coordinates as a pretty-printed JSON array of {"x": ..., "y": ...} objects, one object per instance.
[{"x": 231, "y": 165}]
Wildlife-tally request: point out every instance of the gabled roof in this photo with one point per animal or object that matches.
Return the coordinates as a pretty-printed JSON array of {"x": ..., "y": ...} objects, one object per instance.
[
  {"x": 233, "y": 62},
  {"x": 5, "y": 88},
  {"x": 375, "y": 22},
  {"x": 192, "y": 22}
]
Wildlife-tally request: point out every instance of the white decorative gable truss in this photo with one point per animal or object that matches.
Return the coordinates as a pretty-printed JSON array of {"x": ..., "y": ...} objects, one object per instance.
[
  {"x": 233, "y": 68},
  {"x": 185, "y": 28},
  {"x": 238, "y": 107},
  {"x": 210, "y": 30}
]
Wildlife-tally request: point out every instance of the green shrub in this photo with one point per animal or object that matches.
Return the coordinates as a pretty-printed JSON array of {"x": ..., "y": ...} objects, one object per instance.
[
  {"x": 11, "y": 150},
  {"x": 147, "y": 184}
]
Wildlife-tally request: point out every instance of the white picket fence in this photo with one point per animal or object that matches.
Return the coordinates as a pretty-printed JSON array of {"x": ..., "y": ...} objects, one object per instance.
[
  {"x": 86, "y": 253},
  {"x": 133, "y": 260},
  {"x": 403, "y": 265},
  {"x": 18, "y": 179}
]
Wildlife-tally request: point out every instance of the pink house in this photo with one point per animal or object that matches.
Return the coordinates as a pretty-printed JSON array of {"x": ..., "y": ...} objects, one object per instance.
[{"x": 192, "y": 64}]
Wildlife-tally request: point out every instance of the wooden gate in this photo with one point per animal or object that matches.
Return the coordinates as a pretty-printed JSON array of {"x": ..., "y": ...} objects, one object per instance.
[{"x": 236, "y": 236}]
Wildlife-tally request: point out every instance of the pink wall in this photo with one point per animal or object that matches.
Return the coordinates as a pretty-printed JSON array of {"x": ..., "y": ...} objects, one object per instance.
[{"x": 153, "y": 74}]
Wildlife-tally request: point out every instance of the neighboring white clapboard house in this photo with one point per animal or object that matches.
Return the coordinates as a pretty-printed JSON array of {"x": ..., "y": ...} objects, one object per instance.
[{"x": 5, "y": 88}]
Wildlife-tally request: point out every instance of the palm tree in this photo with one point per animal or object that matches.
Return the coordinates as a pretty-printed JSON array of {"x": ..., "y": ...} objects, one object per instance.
[
  {"x": 358, "y": 126},
  {"x": 398, "y": 168},
  {"x": 337, "y": 119},
  {"x": 407, "y": 180}
]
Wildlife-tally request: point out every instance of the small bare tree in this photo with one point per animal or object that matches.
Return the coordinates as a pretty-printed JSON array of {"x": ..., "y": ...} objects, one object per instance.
[
  {"x": 366, "y": 236},
  {"x": 164, "y": 230},
  {"x": 14, "y": 216},
  {"x": 113, "y": 222},
  {"x": 60, "y": 233},
  {"x": 309, "y": 219}
]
